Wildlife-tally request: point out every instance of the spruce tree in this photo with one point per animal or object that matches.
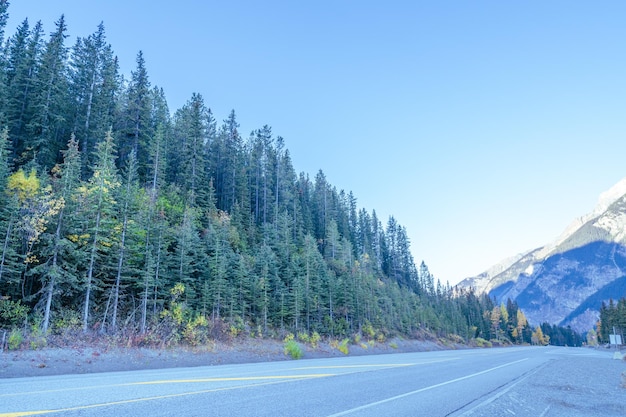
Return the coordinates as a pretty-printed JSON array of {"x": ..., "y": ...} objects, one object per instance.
[
  {"x": 126, "y": 202},
  {"x": 227, "y": 163},
  {"x": 192, "y": 133},
  {"x": 24, "y": 52},
  {"x": 8, "y": 216},
  {"x": 4, "y": 17},
  {"x": 94, "y": 85},
  {"x": 61, "y": 238},
  {"x": 98, "y": 204},
  {"x": 137, "y": 126},
  {"x": 48, "y": 128}
]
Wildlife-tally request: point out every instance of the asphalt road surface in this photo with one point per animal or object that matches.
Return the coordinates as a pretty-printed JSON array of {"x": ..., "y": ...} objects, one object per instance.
[{"x": 524, "y": 381}]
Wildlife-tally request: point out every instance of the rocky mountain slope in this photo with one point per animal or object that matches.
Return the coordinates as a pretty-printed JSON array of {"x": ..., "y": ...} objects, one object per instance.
[{"x": 565, "y": 281}]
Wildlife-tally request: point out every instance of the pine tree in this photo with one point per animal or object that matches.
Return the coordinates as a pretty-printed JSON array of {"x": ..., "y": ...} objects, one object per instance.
[
  {"x": 137, "y": 122},
  {"x": 266, "y": 274},
  {"x": 8, "y": 214},
  {"x": 48, "y": 127},
  {"x": 227, "y": 163},
  {"x": 218, "y": 242},
  {"x": 156, "y": 225},
  {"x": 126, "y": 199},
  {"x": 258, "y": 144},
  {"x": 60, "y": 267},
  {"x": 160, "y": 153},
  {"x": 194, "y": 127},
  {"x": 189, "y": 258},
  {"x": 24, "y": 52},
  {"x": 4, "y": 17},
  {"x": 94, "y": 85},
  {"x": 98, "y": 203},
  {"x": 154, "y": 221}
]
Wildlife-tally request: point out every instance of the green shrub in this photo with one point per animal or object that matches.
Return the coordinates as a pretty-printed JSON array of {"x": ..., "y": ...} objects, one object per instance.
[
  {"x": 393, "y": 345},
  {"x": 368, "y": 330},
  {"x": 66, "y": 321},
  {"x": 237, "y": 327},
  {"x": 15, "y": 339},
  {"x": 292, "y": 348},
  {"x": 480, "y": 342},
  {"x": 303, "y": 337},
  {"x": 315, "y": 339},
  {"x": 343, "y": 346},
  {"x": 37, "y": 339},
  {"x": 12, "y": 313},
  {"x": 195, "y": 331}
]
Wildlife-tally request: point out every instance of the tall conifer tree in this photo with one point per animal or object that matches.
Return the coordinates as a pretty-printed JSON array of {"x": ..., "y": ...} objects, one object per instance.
[
  {"x": 93, "y": 86},
  {"x": 48, "y": 127},
  {"x": 98, "y": 206},
  {"x": 24, "y": 52},
  {"x": 137, "y": 118},
  {"x": 62, "y": 237}
]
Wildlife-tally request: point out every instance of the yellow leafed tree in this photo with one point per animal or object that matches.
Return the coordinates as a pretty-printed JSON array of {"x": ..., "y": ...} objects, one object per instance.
[{"x": 538, "y": 338}]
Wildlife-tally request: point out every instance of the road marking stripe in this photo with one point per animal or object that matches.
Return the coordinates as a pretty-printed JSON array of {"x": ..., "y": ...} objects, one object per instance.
[
  {"x": 397, "y": 397},
  {"x": 96, "y": 387},
  {"x": 242, "y": 378},
  {"x": 389, "y": 365},
  {"x": 136, "y": 400},
  {"x": 382, "y": 365},
  {"x": 502, "y": 392}
]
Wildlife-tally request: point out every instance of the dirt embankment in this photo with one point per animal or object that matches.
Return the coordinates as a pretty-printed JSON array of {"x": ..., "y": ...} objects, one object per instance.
[{"x": 100, "y": 357}]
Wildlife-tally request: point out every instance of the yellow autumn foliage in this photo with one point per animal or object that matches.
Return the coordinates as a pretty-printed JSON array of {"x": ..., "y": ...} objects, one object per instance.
[{"x": 25, "y": 187}]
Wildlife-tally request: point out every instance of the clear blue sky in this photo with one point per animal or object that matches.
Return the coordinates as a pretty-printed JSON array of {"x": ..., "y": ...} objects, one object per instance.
[{"x": 483, "y": 127}]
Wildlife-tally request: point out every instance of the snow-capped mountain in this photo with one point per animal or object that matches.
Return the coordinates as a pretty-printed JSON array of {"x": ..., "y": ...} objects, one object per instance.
[{"x": 565, "y": 281}]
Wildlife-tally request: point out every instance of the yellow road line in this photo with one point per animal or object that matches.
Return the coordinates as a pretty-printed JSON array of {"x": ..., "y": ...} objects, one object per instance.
[
  {"x": 242, "y": 378},
  {"x": 159, "y": 397},
  {"x": 381, "y": 365},
  {"x": 28, "y": 413},
  {"x": 388, "y": 365},
  {"x": 92, "y": 387}
]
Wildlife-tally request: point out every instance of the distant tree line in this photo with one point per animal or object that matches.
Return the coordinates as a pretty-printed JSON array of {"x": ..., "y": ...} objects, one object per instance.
[
  {"x": 561, "y": 336},
  {"x": 116, "y": 214},
  {"x": 612, "y": 318}
]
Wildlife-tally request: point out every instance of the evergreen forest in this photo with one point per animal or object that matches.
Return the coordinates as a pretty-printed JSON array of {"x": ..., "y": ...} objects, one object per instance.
[
  {"x": 612, "y": 320},
  {"x": 121, "y": 215}
]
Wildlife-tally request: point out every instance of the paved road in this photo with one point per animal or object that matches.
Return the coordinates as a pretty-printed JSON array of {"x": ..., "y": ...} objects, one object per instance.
[{"x": 489, "y": 382}]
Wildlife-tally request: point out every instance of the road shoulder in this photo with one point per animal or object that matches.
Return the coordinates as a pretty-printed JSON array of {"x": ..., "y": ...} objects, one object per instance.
[{"x": 569, "y": 385}]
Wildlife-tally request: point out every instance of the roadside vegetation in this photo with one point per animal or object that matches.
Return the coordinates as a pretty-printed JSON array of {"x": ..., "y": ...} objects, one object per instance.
[{"x": 121, "y": 219}]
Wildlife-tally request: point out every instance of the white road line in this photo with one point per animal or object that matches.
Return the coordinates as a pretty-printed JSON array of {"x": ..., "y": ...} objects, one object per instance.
[
  {"x": 545, "y": 411},
  {"x": 500, "y": 393},
  {"x": 397, "y": 397}
]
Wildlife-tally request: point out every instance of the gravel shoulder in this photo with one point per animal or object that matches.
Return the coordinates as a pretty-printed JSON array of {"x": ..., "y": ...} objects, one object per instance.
[
  {"x": 570, "y": 386},
  {"x": 103, "y": 358}
]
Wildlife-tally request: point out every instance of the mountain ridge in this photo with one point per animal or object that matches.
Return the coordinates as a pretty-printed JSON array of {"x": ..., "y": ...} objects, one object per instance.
[{"x": 551, "y": 282}]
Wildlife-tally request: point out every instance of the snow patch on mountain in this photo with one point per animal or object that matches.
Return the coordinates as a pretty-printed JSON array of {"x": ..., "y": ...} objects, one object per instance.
[
  {"x": 605, "y": 201},
  {"x": 614, "y": 224},
  {"x": 551, "y": 283}
]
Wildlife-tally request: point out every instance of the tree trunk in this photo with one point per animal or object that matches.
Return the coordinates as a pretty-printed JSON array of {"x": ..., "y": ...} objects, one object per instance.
[
  {"x": 118, "y": 278},
  {"x": 50, "y": 290},
  {"x": 92, "y": 261}
]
